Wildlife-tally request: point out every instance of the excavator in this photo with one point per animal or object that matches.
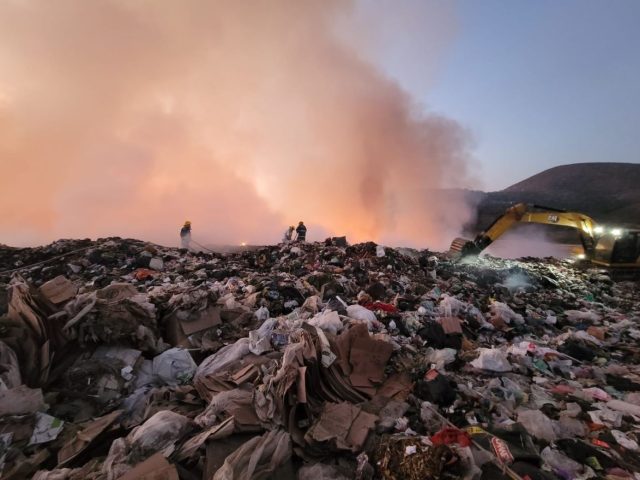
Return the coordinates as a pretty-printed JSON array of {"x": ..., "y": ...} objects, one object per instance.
[{"x": 616, "y": 249}]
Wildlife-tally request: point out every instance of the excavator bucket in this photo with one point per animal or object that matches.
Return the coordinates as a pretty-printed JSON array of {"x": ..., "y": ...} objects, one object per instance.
[{"x": 461, "y": 247}]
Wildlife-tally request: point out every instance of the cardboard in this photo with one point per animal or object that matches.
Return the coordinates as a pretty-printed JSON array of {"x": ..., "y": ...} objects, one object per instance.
[
  {"x": 59, "y": 290},
  {"x": 155, "y": 467},
  {"x": 367, "y": 357},
  {"x": 343, "y": 424},
  {"x": 200, "y": 321},
  {"x": 21, "y": 400},
  {"x": 216, "y": 432},
  {"x": 85, "y": 437},
  {"x": 451, "y": 325}
]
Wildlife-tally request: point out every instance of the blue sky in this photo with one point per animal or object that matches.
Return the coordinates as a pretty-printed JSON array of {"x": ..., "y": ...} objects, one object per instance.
[{"x": 537, "y": 83}]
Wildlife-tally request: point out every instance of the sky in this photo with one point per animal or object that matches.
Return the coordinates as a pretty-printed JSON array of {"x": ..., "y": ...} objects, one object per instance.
[
  {"x": 126, "y": 118},
  {"x": 537, "y": 83}
]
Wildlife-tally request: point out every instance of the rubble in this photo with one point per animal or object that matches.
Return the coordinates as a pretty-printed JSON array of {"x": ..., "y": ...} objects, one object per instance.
[{"x": 120, "y": 359}]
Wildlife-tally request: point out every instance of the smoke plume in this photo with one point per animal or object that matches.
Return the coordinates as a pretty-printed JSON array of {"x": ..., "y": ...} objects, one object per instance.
[
  {"x": 530, "y": 241},
  {"x": 127, "y": 117}
]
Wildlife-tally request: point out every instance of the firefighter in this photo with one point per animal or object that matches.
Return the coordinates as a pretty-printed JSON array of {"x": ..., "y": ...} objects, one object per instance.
[
  {"x": 288, "y": 235},
  {"x": 185, "y": 235},
  {"x": 301, "y": 232}
]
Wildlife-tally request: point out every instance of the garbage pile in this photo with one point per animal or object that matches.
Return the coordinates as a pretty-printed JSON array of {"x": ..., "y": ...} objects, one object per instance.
[{"x": 125, "y": 360}]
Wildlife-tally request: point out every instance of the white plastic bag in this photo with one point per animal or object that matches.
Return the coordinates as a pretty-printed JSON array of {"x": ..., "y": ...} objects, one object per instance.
[
  {"x": 492, "y": 359},
  {"x": 358, "y": 312},
  {"x": 174, "y": 367},
  {"x": 502, "y": 311},
  {"x": 260, "y": 339},
  {"x": 442, "y": 357},
  {"x": 328, "y": 321},
  {"x": 450, "y": 306}
]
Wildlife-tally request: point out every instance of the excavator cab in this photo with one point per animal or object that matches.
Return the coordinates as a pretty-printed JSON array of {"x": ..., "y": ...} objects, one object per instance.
[{"x": 623, "y": 249}]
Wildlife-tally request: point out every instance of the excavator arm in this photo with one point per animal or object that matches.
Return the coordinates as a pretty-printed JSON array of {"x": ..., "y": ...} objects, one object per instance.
[{"x": 524, "y": 213}]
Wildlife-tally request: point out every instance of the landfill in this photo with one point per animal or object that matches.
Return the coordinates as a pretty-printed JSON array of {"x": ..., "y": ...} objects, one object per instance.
[{"x": 121, "y": 359}]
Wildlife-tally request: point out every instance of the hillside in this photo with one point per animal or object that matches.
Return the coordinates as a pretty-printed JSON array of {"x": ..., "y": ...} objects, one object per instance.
[{"x": 609, "y": 192}]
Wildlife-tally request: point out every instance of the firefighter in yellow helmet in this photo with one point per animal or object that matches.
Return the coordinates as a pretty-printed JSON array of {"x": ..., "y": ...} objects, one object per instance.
[{"x": 185, "y": 235}]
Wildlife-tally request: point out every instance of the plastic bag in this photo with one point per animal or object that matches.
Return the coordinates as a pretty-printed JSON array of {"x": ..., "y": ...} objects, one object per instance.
[
  {"x": 258, "y": 458},
  {"x": 320, "y": 471},
  {"x": 450, "y": 306},
  {"x": 430, "y": 419},
  {"x": 442, "y": 357},
  {"x": 538, "y": 424},
  {"x": 624, "y": 441},
  {"x": 159, "y": 433},
  {"x": 260, "y": 339},
  {"x": 222, "y": 358},
  {"x": 328, "y": 321},
  {"x": 578, "y": 316},
  {"x": 606, "y": 416},
  {"x": 502, "y": 313},
  {"x": 174, "y": 367},
  {"x": 262, "y": 313},
  {"x": 10, "y": 376},
  {"x": 560, "y": 464},
  {"x": 312, "y": 304},
  {"x": 624, "y": 407},
  {"x": 358, "y": 312},
  {"x": 571, "y": 428},
  {"x": 222, "y": 402},
  {"x": 492, "y": 359}
]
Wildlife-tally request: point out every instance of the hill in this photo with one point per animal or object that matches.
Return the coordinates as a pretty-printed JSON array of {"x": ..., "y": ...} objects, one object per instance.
[{"x": 609, "y": 192}]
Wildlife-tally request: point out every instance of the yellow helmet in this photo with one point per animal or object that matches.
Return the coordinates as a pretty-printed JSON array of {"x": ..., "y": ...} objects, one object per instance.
[{"x": 187, "y": 222}]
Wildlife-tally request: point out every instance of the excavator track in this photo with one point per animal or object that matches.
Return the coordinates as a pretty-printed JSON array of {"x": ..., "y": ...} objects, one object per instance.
[{"x": 624, "y": 274}]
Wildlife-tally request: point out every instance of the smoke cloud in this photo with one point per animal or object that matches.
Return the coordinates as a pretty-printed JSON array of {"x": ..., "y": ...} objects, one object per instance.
[
  {"x": 530, "y": 241},
  {"x": 126, "y": 117}
]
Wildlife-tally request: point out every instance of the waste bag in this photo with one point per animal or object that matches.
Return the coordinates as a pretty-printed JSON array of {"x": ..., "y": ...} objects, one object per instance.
[{"x": 174, "y": 366}]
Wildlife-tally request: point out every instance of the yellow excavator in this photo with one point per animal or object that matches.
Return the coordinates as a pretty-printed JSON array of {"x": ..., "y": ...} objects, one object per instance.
[{"x": 614, "y": 248}]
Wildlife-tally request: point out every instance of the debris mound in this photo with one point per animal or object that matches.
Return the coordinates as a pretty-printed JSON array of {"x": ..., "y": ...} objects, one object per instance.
[{"x": 121, "y": 360}]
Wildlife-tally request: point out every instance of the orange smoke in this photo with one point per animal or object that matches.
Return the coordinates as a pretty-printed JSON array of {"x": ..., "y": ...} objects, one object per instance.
[{"x": 126, "y": 118}]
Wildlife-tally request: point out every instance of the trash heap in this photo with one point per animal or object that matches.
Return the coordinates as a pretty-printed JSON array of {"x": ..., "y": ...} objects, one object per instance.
[{"x": 125, "y": 360}]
